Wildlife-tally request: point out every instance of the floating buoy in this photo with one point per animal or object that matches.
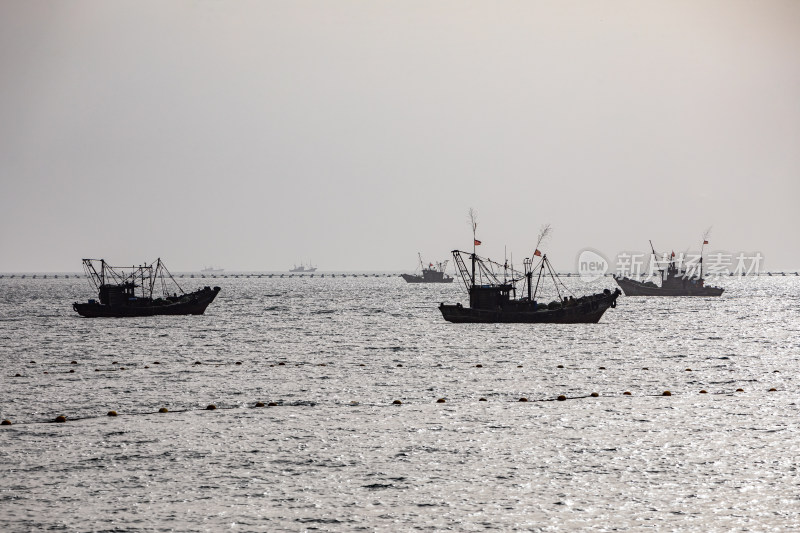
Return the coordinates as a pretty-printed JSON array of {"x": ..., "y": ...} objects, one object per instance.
[
  {"x": 271, "y": 365},
  {"x": 602, "y": 368},
  {"x": 523, "y": 399},
  {"x": 5, "y": 423},
  {"x": 17, "y": 375},
  {"x": 121, "y": 368},
  {"x": 645, "y": 368},
  {"x": 198, "y": 363},
  {"x": 354, "y": 403},
  {"x": 238, "y": 363},
  {"x": 281, "y": 364},
  {"x": 156, "y": 363},
  {"x": 519, "y": 366},
  {"x": 97, "y": 370},
  {"x": 626, "y": 393},
  {"x": 61, "y": 419},
  {"x": 561, "y": 398},
  {"x": 74, "y": 363},
  {"x": 560, "y": 366},
  {"x": 739, "y": 390},
  {"x": 594, "y": 395},
  {"x": 146, "y": 366},
  {"x": 773, "y": 389},
  {"x": 322, "y": 364},
  {"x": 211, "y": 407},
  {"x": 163, "y": 410},
  {"x": 666, "y": 393},
  {"x": 71, "y": 370},
  {"x": 112, "y": 413},
  {"x": 362, "y": 364},
  {"x": 259, "y": 404},
  {"x": 482, "y": 399},
  {"x": 688, "y": 370},
  {"x": 479, "y": 365},
  {"x": 114, "y": 363},
  {"x": 441, "y": 400},
  {"x": 272, "y": 404},
  {"x": 34, "y": 362},
  {"x": 703, "y": 391},
  {"x": 397, "y": 402},
  {"x": 46, "y": 372},
  {"x": 399, "y": 365},
  {"x": 776, "y": 371}
]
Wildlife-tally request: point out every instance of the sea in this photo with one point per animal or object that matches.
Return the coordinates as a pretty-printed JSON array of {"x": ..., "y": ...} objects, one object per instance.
[{"x": 380, "y": 416}]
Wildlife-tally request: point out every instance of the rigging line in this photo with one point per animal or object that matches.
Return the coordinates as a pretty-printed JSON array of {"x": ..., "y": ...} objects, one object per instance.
[
  {"x": 538, "y": 279},
  {"x": 550, "y": 268},
  {"x": 170, "y": 275},
  {"x": 566, "y": 289}
]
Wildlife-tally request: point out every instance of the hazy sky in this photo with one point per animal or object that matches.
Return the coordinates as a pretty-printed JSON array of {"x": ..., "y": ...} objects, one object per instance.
[{"x": 254, "y": 135}]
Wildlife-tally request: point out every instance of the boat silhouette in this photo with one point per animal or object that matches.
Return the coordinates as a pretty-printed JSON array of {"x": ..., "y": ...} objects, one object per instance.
[
  {"x": 430, "y": 274},
  {"x": 118, "y": 295}
]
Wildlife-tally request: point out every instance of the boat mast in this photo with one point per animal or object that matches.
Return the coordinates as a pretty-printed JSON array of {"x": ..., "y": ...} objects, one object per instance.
[
  {"x": 473, "y": 219},
  {"x": 652, "y": 249},
  {"x": 702, "y": 247},
  {"x": 528, "y": 267}
]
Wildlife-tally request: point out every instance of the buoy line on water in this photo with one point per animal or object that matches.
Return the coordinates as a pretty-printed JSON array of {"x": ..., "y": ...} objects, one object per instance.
[
  {"x": 272, "y": 364},
  {"x": 213, "y": 407}
]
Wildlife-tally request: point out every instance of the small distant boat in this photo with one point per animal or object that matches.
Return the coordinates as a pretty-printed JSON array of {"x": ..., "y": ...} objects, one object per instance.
[
  {"x": 119, "y": 297},
  {"x": 675, "y": 281},
  {"x": 212, "y": 270},
  {"x": 430, "y": 274},
  {"x": 303, "y": 268}
]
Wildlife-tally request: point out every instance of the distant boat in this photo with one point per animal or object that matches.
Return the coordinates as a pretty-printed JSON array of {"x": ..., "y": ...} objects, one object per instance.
[
  {"x": 303, "y": 268},
  {"x": 675, "y": 281},
  {"x": 212, "y": 270},
  {"x": 119, "y": 297},
  {"x": 430, "y": 274}
]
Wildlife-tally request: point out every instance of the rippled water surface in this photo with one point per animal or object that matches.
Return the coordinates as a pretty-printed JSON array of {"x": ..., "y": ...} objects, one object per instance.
[{"x": 336, "y": 454}]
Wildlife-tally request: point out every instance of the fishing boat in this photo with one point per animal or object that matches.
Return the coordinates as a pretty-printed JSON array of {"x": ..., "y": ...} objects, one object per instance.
[
  {"x": 430, "y": 274},
  {"x": 303, "y": 268},
  {"x": 494, "y": 300},
  {"x": 118, "y": 295},
  {"x": 676, "y": 280}
]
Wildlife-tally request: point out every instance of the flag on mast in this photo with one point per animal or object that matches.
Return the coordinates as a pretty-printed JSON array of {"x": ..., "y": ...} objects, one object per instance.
[
  {"x": 477, "y": 242},
  {"x": 705, "y": 242},
  {"x": 537, "y": 253}
]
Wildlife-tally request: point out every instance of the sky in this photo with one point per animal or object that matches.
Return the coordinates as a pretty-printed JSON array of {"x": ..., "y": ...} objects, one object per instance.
[{"x": 254, "y": 135}]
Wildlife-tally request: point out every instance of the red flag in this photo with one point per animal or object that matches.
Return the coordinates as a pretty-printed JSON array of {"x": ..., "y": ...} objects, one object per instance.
[
  {"x": 537, "y": 253},
  {"x": 673, "y": 254},
  {"x": 705, "y": 242},
  {"x": 477, "y": 242},
  {"x": 430, "y": 265}
]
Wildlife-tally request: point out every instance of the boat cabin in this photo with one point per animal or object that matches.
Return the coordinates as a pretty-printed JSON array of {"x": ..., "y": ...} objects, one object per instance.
[
  {"x": 117, "y": 294},
  {"x": 489, "y": 296}
]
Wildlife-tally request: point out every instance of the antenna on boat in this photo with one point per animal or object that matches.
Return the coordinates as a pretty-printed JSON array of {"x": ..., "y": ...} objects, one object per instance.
[
  {"x": 505, "y": 264},
  {"x": 473, "y": 222},
  {"x": 544, "y": 232},
  {"x": 702, "y": 247}
]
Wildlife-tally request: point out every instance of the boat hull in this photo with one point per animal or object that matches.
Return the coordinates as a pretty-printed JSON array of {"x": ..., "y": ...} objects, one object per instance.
[
  {"x": 410, "y": 278},
  {"x": 588, "y": 312},
  {"x": 636, "y": 288},
  {"x": 194, "y": 303}
]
